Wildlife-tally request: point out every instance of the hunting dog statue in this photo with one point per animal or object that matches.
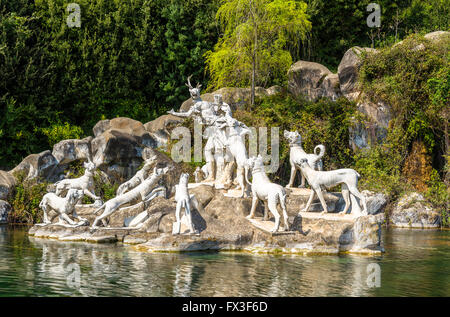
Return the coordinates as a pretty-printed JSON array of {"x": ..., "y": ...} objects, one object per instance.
[
  {"x": 186, "y": 201},
  {"x": 137, "y": 178},
  {"x": 143, "y": 192},
  {"x": 63, "y": 206},
  {"x": 297, "y": 154},
  {"x": 264, "y": 189},
  {"x": 346, "y": 176},
  {"x": 84, "y": 183}
]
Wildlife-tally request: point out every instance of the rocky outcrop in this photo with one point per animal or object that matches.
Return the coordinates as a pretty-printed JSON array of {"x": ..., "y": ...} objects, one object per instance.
[
  {"x": 376, "y": 202},
  {"x": 412, "y": 211},
  {"x": 313, "y": 81},
  {"x": 437, "y": 35},
  {"x": 223, "y": 226},
  {"x": 7, "y": 184},
  {"x": 348, "y": 71},
  {"x": 160, "y": 128},
  {"x": 42, "y": 166},
  {"x": 373, "y": 129},
  {"x": 5, "y": 208},
  {"x": 118, "y": 145},
  {"x": 71, "y": 150}
]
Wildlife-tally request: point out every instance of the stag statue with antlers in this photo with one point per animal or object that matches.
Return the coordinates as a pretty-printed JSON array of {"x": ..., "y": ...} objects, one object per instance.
[{"x": 206, "y": 113}]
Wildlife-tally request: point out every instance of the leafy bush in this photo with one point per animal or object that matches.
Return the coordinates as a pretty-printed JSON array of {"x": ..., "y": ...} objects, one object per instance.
[
  {"x": 25, "y": 202},
  {"x": 127, "y": 59},
  {"x": 439, "y": 195},
  {"x": 59, "y": 132}
]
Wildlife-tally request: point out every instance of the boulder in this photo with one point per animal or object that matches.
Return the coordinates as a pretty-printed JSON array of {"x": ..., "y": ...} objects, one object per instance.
[
  {"x": 38, "y": 166},
  {"x": 437, "y": 35},
  {"x": 373, "y": 129},
  {"x": 412, "y": 211},
  {"x": 118, "y": 145},
  {"x": 376, "y": 202},
  {"x": 5, "y": 208},
  {"x": 71, "y": 150},
  {"x": 7, "y": 184},
  {"x": 348, "y": 71},
  {"x": 160, "y": 128},
  {"x": 275, "y": 90},
  {"x": 313, "y": 81}
]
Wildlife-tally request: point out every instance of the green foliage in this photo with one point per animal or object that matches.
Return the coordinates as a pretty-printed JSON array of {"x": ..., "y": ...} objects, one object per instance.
[
  {"x": 255, "y": 38},
  {"x": 379, "y": 174},
  {"x": 25, "y": 202},
  {"x": 127, "y": 59},
  {"x": 59, "y": 132},
  {"x": 332, "y": 35},
  {"x": 104, "y": 189},
  {"x": 439, "y": 195},
  {"x": 407, "y": 77}
]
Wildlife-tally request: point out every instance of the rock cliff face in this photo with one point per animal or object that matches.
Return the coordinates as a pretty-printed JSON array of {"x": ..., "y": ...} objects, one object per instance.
[
  {"x": 223, "y": 226},
  {"x": 412, "y": 211},
  {"x": 313, "y": 81},
  {"x": 5, "y": 208},
  {"x": 7, "y": 183}
]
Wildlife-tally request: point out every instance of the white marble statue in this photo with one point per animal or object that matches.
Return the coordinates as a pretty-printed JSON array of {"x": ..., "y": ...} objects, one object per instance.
[
  {"x": 143, "y": 192},
  {"x": 137, "y": 178},
  {"x": 85, "y": 182},
  {"x": 205, "y": 113},
  {"x": 297, "y": 154},
  {"x": 236, "y": 131},
  {"x": 346, "y": 176},
  {"x": 199, "y": 175},
  {"x": 264, "y": 189},
  {"x": 63, "y": 206},
  {"x": 186, "y": 201}
]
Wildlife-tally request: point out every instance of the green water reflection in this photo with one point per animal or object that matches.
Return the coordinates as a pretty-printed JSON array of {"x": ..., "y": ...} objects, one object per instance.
[{"x": 416, "y": 263}]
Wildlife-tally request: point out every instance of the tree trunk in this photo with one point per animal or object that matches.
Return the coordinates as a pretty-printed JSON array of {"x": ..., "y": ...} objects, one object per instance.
[
  {"x": 447, "y": 150},
  {"x": 252, "y": 101}
]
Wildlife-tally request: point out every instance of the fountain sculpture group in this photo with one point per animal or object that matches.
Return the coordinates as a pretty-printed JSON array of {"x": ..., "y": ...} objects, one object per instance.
[{"x": 226, "y": 156}]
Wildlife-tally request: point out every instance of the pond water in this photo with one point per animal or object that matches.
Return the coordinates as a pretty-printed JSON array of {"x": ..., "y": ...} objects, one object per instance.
[{"x": 416, "y": 263}]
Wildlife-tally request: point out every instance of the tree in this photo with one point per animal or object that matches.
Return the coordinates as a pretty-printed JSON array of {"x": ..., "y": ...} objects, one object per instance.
[{"x": 254, "y": 45}]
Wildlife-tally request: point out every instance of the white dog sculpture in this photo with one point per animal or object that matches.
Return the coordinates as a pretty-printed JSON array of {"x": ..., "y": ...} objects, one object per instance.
[
  {"x": 144, "y": 192},
  {"x": 137, "y": 178},
  {"x": 264, "y": 189},
  {"x": 85, "y": 182},
  {"x": 346, "y": 176},
  {"x": 297, "y": 154},
  {"x": 186, "y": 201},
  {"x": 62, "y": 205},
  {"x": 236, "y": 145}
]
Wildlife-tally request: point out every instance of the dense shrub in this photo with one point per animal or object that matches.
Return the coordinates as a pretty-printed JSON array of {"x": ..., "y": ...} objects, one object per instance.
[
  {"x": 25, "y": 201},
  {"x": 127, "y": 59}
]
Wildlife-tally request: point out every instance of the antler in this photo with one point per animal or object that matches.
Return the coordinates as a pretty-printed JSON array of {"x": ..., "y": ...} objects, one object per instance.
[{"x": 189, "y": 82}]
